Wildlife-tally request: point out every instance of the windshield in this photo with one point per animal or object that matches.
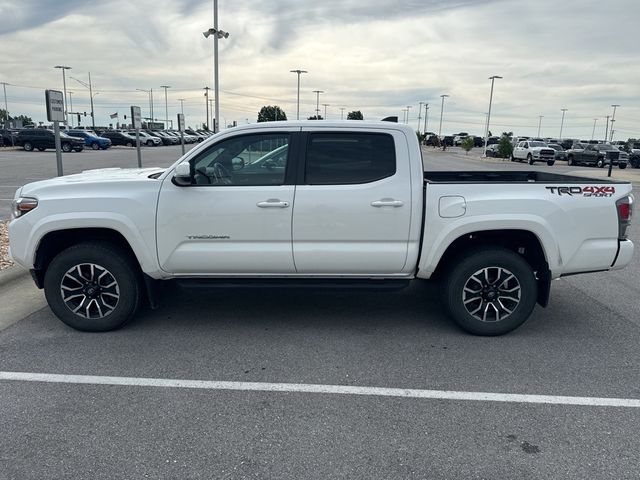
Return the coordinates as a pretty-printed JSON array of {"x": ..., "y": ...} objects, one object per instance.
[
  {"x": 606, "y": 147},
  {"x": 537, "y": 144}
]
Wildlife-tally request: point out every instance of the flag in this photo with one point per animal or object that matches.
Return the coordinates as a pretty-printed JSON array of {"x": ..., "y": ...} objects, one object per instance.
[{"x": 114, "y": 115}]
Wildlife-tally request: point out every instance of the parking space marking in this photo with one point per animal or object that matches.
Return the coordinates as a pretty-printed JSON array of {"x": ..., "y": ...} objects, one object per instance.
[{"x": 321, "y": 389}]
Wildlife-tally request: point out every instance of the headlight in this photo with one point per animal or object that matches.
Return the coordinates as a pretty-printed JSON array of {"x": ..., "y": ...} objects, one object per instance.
[{"x": 23, "y": 205}]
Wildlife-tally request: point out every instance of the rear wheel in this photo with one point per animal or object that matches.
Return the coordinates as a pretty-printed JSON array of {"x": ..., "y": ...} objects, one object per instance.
[
  {"x": 530, "y": 159},
  {"x": 149, "y": 143},
  {"x": 622, "y": 166},
  {"x": 129, "y": 144},
  {"x": 92, "y": 287},
  {"x": 513, "y": 159},
  {"x": 41, "y": 149},
  {"x": 95, "y": 146},
  {"x": 600, "y": 163},
  {"x": 66, "y": 147},
  {"x": 490, "y": 291},
  {"x": 28, "y": 146},
  {"x": 570, "y": 161}
]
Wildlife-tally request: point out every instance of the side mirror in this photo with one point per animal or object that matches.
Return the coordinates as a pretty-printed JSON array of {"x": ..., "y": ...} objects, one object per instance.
[{"x": 182, "y": 174}]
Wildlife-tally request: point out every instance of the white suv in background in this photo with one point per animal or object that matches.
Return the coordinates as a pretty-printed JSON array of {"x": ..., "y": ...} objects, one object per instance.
[{"x": 146, "y": 139}]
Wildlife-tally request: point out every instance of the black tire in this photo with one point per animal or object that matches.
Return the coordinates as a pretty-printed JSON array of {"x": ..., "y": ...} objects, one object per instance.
[
  {"x": 570, "y": 162},
  {"x": 622, "y": 166},
  {"x": 129, "y": 144},
  {"x": 41, "y": 149},
  {"x": 28, "y": 146},
  {"x": 79, "y": 149},
  {"x": 66, "y": 147},
  {"x": 513, "y": 159},
  {"x": 104, "y": 257},
  {"x": 600, "y": 163},
  {"x": 149, "y": 143},
  {"x": 550, "y": 163},
  {"x": 530, "y": 159},
  {"x": 95, "y": 145},
  {"x": 474, "y": 263}
]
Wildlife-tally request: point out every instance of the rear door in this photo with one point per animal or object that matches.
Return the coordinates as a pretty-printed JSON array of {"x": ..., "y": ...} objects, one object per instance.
[{"x": 352, "y": 210}]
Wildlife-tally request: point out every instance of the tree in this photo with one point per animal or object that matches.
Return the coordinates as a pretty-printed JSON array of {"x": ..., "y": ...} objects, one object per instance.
[
  {"x": 355, "y": 115},
  {"x": 316, "y": 117},
  {"x": 20, "y": 118},
  {"x": 467, "y": 144},
  {"x": 505, "y": 147},
  {"x": 271, "y": 113}
]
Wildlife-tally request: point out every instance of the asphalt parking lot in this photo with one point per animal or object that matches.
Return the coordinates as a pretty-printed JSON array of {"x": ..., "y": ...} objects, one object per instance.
[{"x": 287, "y": 354}]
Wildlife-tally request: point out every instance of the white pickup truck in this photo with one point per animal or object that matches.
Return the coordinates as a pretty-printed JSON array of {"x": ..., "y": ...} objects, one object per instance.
[
  {"x": 299, "y": 203},
  {"x": 533, "y": 151}
]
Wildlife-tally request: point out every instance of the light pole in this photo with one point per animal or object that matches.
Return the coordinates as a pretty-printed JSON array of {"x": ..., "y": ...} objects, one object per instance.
[
  {"x": 426, "y": 116},
  {"x": 593, "y": 133},
  {"x": 613, "y": 119},
  {"x": 408, "y": 108},
  {"x": 404, "y": 115},
  {"x": 562, "y": 121},
  {"x": 606, "y": 130},
  {"x": 6, "y": 109},
  {"x": 419, "y": 114},
  {"x": 64, "y": 85},
  {"x": 441, "y": 113},
  {"x": 71, "y": 105},
  {"x": 91, "y": 95},
  {"x": 486, "y": 132},
  {"x": 318, "y": 92},
  {"x": 540, "y": 117},
  {"x": 148, "y": 92},
  {"x": 325, "y": 105},
  {"x": 206, "y": 102},
  {"x": 299, "y": 72},
  {"x": 341, "y": 112},
  {"x": 217, "y": 34},
  {"x": 166, "y": 107},
  {"x": 181, "y": 100}
]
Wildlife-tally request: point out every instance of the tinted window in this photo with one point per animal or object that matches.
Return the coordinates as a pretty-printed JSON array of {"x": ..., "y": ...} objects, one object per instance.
[
  {"x": 249, "y": 160},
  {"x": 340, "y": 158}
]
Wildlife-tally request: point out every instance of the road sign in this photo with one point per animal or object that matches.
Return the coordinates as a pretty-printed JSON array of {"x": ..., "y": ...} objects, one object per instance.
[
  {"x": 136, "y": 117},
  {"x": 181, "y": 122},
  {"x": 55, "y": 105}
]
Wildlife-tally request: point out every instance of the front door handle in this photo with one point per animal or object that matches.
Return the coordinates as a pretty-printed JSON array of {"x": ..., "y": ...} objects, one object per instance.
[
  {"x": 387, "y": 202},
  {"x": 272, "y": 203}
]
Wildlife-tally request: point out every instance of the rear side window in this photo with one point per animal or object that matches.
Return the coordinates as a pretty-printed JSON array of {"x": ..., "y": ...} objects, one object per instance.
[{"x": 343, "y": 158}]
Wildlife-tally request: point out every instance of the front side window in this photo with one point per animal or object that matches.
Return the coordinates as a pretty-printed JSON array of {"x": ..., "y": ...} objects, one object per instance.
[
  {"x": 349, "y": 158},
  {"x": 247, "y": 160}
]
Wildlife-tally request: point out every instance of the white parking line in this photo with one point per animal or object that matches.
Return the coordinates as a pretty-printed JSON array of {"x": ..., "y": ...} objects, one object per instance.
[{"x": 327, "y": 389}]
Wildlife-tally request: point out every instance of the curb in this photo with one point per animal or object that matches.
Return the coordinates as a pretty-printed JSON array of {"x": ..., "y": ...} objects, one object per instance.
[{"x": 10, "y": 274}]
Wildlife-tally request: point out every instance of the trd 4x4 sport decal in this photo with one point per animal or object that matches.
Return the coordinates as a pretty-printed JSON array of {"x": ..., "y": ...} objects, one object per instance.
[{"x": 589, "y": 191}]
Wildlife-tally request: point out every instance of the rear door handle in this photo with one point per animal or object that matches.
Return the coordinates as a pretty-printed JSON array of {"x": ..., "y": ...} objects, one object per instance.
[
  {"x": 387, "y": 202},
  {"x": 272, "y": 203}
]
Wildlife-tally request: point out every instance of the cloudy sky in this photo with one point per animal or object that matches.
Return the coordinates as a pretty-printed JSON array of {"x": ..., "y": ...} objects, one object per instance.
[{"x": 377, "y": 56}]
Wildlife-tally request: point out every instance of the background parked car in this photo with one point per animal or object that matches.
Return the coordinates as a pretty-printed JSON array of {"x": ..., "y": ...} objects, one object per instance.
[
  {"x": 596, "y": 155},
  {"x": 560, "y": 153},
  {"x": 492, "y": 150},
  {"x": 119, "y": 138},
  {"x": 634, "y": 157},
  {"x": 146, "y": 139},
  {"x": 42, "y": 139},
  {"x": 8, "y": 136},
  {"x": 91, "y": 139},
  {"x": 533, "y": 151}
]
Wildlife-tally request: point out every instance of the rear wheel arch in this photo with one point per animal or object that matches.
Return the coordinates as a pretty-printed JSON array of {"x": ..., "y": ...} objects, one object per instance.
[{"x": 523, "y": 242}]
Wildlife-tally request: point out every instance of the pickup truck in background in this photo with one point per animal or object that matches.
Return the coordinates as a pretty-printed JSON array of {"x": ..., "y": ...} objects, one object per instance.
[
  {"x": 600, "y": 154},
  {"x": 315, "y": 203},
  {"x": 533, "y": 151}
]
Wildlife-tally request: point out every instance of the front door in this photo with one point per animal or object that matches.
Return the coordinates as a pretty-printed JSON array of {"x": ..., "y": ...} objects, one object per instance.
[
  {"x": 235, "y": 218},
  {"x": 352, "y": 213}
]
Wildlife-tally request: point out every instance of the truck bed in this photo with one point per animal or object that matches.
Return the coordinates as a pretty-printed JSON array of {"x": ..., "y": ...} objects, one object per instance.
[{"x": 510, "y": 177}]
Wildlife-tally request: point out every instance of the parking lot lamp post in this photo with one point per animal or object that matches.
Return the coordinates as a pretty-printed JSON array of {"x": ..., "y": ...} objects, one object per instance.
[
  {"x": 341, "y": 113},
  {"x": 64, "y": 85},
  {"x": 408, "y": 108},
  {"x": 6, "y": 109},
  {"x": 217, "y": 34},
  {"x": 71, "y": 105},
  {"x": 325, "y": 105},
  {"x": 562, "y": 121},
  {"x": 404, "y": 115},
  {"x": 540, "y": 117},
  {"x": 606, "y": 130},
  {"x": 166, "y": 107},
  {"x": 419, "y": 114},
  {"x": 486, "y": 132},
  {"x": 441, "y": 113},
  {"x": 299, "y": 72},
  {"x": 593, "y": 133},
  {"x": 318, "y": 92},
  {"x": 182, "y": 105},
  {"x": 426, "y": 116},
  {"x": 613, "y": 119}
]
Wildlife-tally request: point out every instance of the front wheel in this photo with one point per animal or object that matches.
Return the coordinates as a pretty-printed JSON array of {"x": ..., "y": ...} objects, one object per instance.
[
  {"x": 490, "y": 291},
  {"x": 41, "y": 149},
  {"x": 622, "y": 166},
  {"x": 513, "y": 159},
  {"x": 92, "y": 287},
  {"x": 530, "y": 159},
  {"x": 600, "y": 163},
  {"x": 149, "y": 143},
  {"x": 28, "y": 146},
  {"x": 66, "y": 147},
  {"x": 95, "y": 146},
  {"x": 570, "y": 162},
  {"x": 550, "y": 163},
  {"x": 129, "y": 144}
]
